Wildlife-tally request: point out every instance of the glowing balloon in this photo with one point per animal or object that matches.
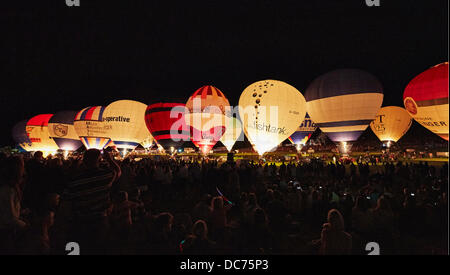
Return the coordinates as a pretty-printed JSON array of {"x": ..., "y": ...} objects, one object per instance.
[
  {"x": 61, "y": 129},
  {"x": 91, "y": 129},
  {"x": 205, "y": 117},
  {"x": 19, "y": 135},
  {"x": 391, "y": 123},
  {"x": 303, "y": 133},
  {"x": 426, "y": 99},
  {"x": 343, "y": 103},
  {"x": 126, "y": 119},
  {"x": 233, "y": 132},
  {"x": 270, "y": 111},
  {"x": 37, "y": 131},
  {"x": 166, "y": 123},
  {"x": 147, "y": 142}
]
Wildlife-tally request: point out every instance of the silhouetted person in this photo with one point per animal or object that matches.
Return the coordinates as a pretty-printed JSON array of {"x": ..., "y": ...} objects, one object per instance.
[
  {"x": 334, "y": 240},
  {"x": 88, "y": 193}
]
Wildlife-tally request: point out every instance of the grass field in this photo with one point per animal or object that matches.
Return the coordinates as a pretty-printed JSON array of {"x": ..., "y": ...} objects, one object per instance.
[{"x": 254, "y": 156}]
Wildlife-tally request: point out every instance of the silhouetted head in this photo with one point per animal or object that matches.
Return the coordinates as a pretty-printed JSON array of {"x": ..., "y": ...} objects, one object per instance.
[
  {"x": 164, "y": 222},
  {"x": 122, "y": 196},
  {"x": 91, "y": 158},
  {"x": 252, "y": 199},
  {"x": 383, "y": 204},
  {"x": 260, "y": 217},
  {"x": 336, "y": 220},
  {"x": 217, "y": 203},
  {"x": 200, "y": 229},
  {"x": 38, "y": 155}
]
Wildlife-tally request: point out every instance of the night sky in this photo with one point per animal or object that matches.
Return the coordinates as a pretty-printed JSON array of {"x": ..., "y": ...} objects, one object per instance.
[{"x": 56, "y": 58}]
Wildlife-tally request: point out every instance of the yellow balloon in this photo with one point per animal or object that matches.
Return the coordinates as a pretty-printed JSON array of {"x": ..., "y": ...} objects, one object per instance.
[
  {"x": 270, "y": 111},
  {"x": 126, "y": 121},
  {"x": 147, "y": 142},
  {"x": 233, "y": 131},
  {"x": 29, "y": 147},
  {"x": 391, "y": 123}
]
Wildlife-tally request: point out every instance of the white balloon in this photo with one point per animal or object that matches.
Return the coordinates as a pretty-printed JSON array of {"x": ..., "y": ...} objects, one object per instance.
[
  {"x": 233, "y": 131},
  {"x": 126, "y": 119},
  {"x": 270, "y": 111}
]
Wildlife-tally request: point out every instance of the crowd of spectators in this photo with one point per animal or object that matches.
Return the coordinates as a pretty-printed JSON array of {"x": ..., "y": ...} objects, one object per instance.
[{"x": 170, "y": 206}]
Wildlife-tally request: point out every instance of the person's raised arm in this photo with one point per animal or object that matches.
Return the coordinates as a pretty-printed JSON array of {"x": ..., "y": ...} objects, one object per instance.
[{"x": 116, "y": 168}]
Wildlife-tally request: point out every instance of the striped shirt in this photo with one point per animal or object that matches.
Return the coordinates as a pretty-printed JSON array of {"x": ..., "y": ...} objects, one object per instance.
[{"x": 89, "y": 192}]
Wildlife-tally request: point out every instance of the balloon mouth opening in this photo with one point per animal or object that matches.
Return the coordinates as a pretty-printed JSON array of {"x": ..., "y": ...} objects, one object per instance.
[
  {"x": 344, "y": 147},
  {"x": 388, "y": 144},
  {"x": 123, "y": 152}
]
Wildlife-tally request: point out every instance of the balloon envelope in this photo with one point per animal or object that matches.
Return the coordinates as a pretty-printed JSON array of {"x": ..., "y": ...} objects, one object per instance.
[
  {"x": 426, "y": 99},
  {"x": 344, "y": 102},
  {"x": 270, "y": 111},
  {"x": 91, "y": 129},
  {"x": 166, "y": 123},
  {"x": 303, "y": 132},
  {"x": 147, "y": 142},
  {"x": 61, "y": 129},
  {"x": 205, "y": 117},
  {"x": 391, "y": 123},
  {"x": 19, "y": 135},
  {"x": 126, "y": 121},
  {"x": 233, "y": 132},
  {"x": 37, "y": 131}
]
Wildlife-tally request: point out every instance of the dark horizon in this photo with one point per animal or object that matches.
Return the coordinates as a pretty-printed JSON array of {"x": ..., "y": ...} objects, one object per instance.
[{"x": 59, "y": 58}]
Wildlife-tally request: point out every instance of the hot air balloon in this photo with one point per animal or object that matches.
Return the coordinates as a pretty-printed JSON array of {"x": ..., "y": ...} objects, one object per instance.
[
  {"x": 205, "y": 117},
  {"x": 233, "y": 132},
  {"x": 343, "y": 103},
  {"x": 37, "y": 131},
  {"x": 303, "y": 132},
  {"x": 91, "y": 129},
  {"x": 20, "y": 136},
  {"x": 61, "y": 129},
  {"x": 390, "y": 124},
  {"x": 166, "y": 123},
  {"x": 126, "y": 119},
  {"x": 270, "y": 111},
  {"x": 426, "y": 99},
  {"x": 147, "y": 142}
]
